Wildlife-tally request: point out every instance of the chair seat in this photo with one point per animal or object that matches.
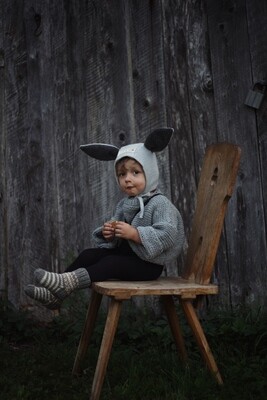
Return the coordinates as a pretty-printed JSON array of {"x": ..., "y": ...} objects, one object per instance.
[{"x": 176, "y": 286}]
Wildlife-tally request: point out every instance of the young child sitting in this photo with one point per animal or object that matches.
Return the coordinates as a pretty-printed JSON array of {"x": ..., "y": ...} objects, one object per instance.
[{"x": 145, "y": 232}]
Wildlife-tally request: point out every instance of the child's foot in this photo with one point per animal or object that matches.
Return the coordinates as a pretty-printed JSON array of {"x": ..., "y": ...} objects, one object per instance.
[
  {"x": 62, "y": 285},
  {"x": 44, "y": 296}
]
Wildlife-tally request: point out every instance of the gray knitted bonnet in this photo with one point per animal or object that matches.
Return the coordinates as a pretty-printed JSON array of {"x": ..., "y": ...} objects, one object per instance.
[{"x": 144, "y": 153}]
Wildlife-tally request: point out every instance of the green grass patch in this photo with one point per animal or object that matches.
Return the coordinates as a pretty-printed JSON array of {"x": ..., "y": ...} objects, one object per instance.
[{"x": 37, "y": 359}]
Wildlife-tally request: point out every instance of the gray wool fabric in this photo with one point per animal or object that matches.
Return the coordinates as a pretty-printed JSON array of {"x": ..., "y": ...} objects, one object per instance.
[
  {"x": 44, "y": 296},
  {"x": 161, "y": 229},
  {"x": 62, "y": 285}
]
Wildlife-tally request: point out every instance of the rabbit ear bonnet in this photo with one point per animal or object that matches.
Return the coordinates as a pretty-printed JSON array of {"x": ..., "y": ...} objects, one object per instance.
[{"x": 144, "y": 153}]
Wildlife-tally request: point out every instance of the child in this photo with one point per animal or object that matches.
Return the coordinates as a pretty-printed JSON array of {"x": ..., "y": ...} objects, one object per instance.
[{"x": 145, "y": 232}]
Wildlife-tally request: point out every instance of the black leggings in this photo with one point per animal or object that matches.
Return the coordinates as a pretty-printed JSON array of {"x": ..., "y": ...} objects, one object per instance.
[{"x": 120, "y": 263}]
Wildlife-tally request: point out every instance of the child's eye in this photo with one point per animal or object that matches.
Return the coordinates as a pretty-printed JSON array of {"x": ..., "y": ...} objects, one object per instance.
[{"x": 136, "y": 172}]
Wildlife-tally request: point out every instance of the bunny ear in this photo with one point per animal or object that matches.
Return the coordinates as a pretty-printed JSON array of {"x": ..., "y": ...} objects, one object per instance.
[
  {"x": 100, "y": 151},
  {"x": 158, "y": 139}
]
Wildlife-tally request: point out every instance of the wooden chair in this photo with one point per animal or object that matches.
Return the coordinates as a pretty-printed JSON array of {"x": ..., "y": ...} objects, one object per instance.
[{"x": 215, "y": 188}]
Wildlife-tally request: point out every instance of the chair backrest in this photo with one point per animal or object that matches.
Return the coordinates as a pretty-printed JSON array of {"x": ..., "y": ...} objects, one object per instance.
[{"x": 216, "y": 184}]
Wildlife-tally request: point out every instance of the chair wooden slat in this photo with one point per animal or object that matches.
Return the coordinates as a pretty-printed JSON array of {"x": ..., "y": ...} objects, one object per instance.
[{"x": 215, "y": 188}]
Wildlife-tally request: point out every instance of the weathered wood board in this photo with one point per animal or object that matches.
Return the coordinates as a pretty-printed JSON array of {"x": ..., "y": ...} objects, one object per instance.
[{"x": 73, "y": 72}]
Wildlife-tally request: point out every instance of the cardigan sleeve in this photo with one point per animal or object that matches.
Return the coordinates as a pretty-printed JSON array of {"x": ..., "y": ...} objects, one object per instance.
[{"x": 162, "y": 239}]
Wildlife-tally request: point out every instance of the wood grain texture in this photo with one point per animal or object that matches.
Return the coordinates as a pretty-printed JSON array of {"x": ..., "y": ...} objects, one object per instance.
[
  {"x": 163, "y": 286},
  {"x": 257, "y": 29},
  {"x": 77, "y": 72},
  {"x": 245, "y": 220},
  {"x": 216, "y": 186},
  {"x": 3, "y": 194},
  {"x": 177, "y": 105},
  {"x": 148, "y": 76}
]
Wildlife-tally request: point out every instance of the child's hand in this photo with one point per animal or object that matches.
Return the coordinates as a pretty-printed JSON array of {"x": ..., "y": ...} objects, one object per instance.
[
  {"x": 126, "y": 231},
  {"x": 108, "y": 230}
]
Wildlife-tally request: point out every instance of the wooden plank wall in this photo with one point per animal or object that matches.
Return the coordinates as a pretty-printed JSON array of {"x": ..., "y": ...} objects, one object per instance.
[
  {"x": 73, "y": 72},
  {"x": 237, "y": 63}
]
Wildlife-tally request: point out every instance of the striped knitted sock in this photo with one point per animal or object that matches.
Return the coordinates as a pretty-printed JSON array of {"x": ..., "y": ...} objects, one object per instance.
[
  {"x": 62, "y": 285},
  {"x": 44, "y": 297}
]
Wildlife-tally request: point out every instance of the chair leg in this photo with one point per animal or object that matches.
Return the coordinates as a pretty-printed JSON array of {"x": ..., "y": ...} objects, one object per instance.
[
  {"x": 87, "y": 331},
  {"x": 175, "y": 325},
  {"x": 105, "y": 349},
  {"x": 200, "y": 338}
]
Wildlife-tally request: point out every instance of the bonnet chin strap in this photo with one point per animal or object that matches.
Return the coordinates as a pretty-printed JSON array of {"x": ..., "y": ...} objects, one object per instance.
[{"x": 142, "y": 206}]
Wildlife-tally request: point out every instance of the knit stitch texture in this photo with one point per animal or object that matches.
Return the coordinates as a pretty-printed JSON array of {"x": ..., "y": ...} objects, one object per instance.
[{"x": 161, "y": 229}]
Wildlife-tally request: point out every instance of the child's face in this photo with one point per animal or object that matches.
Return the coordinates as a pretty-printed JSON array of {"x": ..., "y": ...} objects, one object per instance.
[{"x": 131, "y": 177}]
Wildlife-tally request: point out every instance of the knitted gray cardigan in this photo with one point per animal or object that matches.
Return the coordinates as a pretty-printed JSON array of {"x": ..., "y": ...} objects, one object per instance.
[{"x": 161, "y": 229}]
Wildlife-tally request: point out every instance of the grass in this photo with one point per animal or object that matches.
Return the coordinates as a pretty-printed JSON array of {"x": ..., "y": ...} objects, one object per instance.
[{"x": 36, "y": 359}]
